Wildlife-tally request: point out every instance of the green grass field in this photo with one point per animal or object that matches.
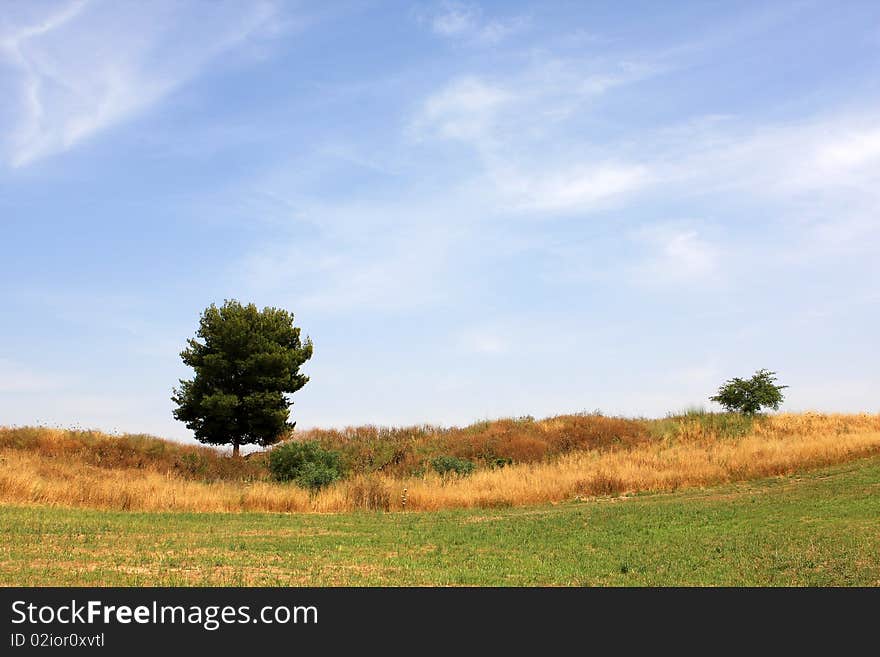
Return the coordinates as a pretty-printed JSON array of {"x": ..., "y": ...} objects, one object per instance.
[{"x": 817, "y": 528}]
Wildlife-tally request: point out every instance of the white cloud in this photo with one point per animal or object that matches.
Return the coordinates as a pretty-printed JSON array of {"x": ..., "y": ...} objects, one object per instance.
[
  {"x": 690, "y": 254},
  {"x": 521, "y": 131},
  {"x": 817, "y": 180},
  {"x": 580, "y": 187},
  {"x": 465, "y": 110},
  {"x": 455, "y": 19},
  {"x": 365, "y": 255},
  {"x": 84, "y": 67},
  {"x": 413, "y": 251},
  {"x": 533, "y": 104},
  {"x": 849, "y": 151},
  {"x": 831, "y": 153},
  {"x": 530, "y": 136},
  {"x": 675, "y": 255},
  {"x": 459, "y": 20},
  {"x": 523, "y": 147}
]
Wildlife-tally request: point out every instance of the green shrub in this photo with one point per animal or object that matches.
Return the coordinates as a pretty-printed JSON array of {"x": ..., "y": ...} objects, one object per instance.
[
  {"x": 307, "y": 464},
  {"x": 749, "y": 396},
  {"x": 444, "y": 465}
]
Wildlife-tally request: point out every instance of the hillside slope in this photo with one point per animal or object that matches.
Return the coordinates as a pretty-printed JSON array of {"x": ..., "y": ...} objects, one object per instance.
[{"x": 569, "y": 457}]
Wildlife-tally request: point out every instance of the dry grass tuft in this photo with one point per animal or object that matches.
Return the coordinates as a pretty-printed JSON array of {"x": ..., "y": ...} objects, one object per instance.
[{"x": 368, "y": 493}]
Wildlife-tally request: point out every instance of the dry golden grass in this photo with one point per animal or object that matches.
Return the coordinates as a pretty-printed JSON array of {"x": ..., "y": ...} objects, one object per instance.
[
  {"x": 692, "y": 455},
  {"x": 782, "y": 445},
  {"x": 401, "y": 451},
  {"x": 130, "y": 451}
]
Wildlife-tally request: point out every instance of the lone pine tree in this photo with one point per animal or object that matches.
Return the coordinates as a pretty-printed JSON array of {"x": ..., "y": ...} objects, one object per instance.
[{"x": 246, "y": 363}]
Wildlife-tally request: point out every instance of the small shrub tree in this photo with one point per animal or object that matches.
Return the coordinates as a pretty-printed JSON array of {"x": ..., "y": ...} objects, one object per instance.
[
  {"x": 307, "y": 464},
  {"x": 749, "y": 396}
]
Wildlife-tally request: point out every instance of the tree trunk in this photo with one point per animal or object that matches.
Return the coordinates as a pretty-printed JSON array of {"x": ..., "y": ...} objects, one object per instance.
[{"x": 235, "y": 449}]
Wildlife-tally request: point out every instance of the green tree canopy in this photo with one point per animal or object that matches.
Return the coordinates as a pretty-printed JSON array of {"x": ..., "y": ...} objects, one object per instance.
[
  {"x": 748, "y": 396},
  {"x": 246, "y": 362}
]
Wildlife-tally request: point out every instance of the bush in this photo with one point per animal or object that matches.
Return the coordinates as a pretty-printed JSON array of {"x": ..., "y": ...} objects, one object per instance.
[
  {"x": 443, "y": 465},
  {"x": 307, "y": 464},
  {"x": 749, "y": 396}
]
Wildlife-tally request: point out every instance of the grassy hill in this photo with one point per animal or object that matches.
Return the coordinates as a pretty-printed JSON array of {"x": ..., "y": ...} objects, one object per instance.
[{"x": 518, "y": 462}]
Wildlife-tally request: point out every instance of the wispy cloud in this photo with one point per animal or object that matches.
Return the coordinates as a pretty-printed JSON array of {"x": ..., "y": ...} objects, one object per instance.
[
  {"x": 83, "y": 68},
  {"x": 366, "y": 255},
  {"x": 836, "y": 151},
  {"x": 524, "y": 148},
  {"x": 580, "y": 187},
  {"x": 466, "y": 109},
  {"x": 675, "y": 254},
  {"x": 851, "y": 151},
  {"x": 524, "y": 132},
  {"x": 533, "y": 102},
  {"x": 817, "y": 181},
  {"x": 465, "y": 21}
]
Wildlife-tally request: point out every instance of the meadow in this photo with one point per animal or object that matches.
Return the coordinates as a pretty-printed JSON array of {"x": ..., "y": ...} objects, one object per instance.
[
  {"x": 813, "y": 528},
  {"x": 519, "y": 462}
]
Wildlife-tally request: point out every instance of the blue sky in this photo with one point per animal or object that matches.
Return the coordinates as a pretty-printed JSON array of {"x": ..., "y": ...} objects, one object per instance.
[{"x": 474, "y": 210}]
